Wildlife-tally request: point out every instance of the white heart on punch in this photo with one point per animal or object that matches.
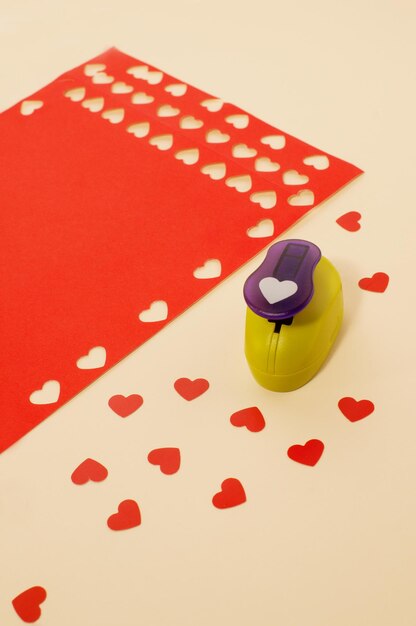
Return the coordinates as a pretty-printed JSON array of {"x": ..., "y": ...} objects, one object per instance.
[
  {"x": 275, "y": 290},
  {"x": 49, "y": 394},
  {"x": 95, "y": 359}
]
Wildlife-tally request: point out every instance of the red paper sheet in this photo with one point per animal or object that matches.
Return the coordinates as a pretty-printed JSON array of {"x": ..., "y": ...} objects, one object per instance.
[{"x": 116, "y": 217}]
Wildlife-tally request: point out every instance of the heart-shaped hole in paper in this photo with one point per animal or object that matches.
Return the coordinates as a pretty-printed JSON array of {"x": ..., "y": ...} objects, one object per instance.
[
  {"x": 292, "y": 177},
  {"x": 216, "y": 136},
  {"x": 48, "y": 394},
  {"x": 212, "y": 104},
  {"x": 94, "y": 68},
  {"x": 266, "y": 199},
  {"x": 264, "y": 164},
  {"x": 157, "y": 312},
  {"x": 276, "y": 142},
  {"x": 189, "y": 157},
  {"x": 215, "y": 171},
  {"x": 264, "y": 228},
  {"x": 239, "y": 120},
  {"x": 177, "y": 89},
  {"x": 162, "y": 142},
  {"x": 93, "y": 104},
  {"x": 242, "y": 151},
  {"x": 120, "y": 87},
  {"x": 95, "y": 359},
  {"x": 141, "y": 98},
  {"x": 76, "y": 95},
  {"x": 189, "y": 122},
  {"x": 240, "y": 183},
  {"x": 28, "y": 107},
  {"x": 101, "y": 78},
  {"x": 318, "y": 161},
  {"x": 153, "y": 77},
  {"x": 115, "y": 116},
  {"x": 210, "y": 269},
  {"x": 139, "y": 130},
  {"x": 166, "y": 110},
  {"x": 302, "y": 198}
]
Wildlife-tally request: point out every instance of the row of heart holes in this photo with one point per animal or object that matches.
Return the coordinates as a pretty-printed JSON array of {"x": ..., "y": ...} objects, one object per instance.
[{"x": 216, "y": 171}]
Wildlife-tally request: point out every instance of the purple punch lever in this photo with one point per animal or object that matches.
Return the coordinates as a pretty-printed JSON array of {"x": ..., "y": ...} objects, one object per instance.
[{"x": 283, "y": 284}]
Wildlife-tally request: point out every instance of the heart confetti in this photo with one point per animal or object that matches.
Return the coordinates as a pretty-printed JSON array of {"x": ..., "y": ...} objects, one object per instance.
[
  {"x": 125, "y": 405},
  {"x": 191, "y": 389},
  {"x": 308, "y": 454},
  {"x": 232, "y": 494},
  {"x": 252, "y": 418},
  {"x": 350, "y": 221},
  {"x": 377, "y": 283},
  {"x": 128, "y": 516},
  {"x": 89, "y": 470},
  {"x": 168, "y": 459},
  {"x": 27, "y": 604},
  {"x": 355, "y": 410}
]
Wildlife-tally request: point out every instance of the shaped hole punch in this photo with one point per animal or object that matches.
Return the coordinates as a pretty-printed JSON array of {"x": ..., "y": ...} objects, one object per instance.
[
  {"x": 153, "y": 77},
  {"x": 115, "y": 116},
  {"x": 189, "y": 157},
  {"x": 292, "y": 177},
  {"x": 141, "y": 98},
  {"x": 162, "y": 142},
  {"x": 240, "y": 183},
  {"x": 95, "y": 359},
  {"x": 216, "y": 136},
  {"x": 238, "y": 120},
  {"x": 266, "y": 199},
  {"x": 121, "y": 88},
  {"x": 48, "y": 394},
  {"x": 264, "y": 164},
  {"x": 28, "y": 107},
  {"x": 157, "y": 312},
  {"x": 177, "y": 89},
  {"x": 166, "y": 110},
  {"x": 93, "y": 104},
  {"x": 101, "y": 78},
  {"x": 189, "y": 122},
  {"x": 275, "y": 142},
  {"x": 212, "y": 104},
  {"x": 242, "y": 151},
  {"x": 139, "y": 130},
  {"x": 210, "y": 269},
  {"x": 94, "y": 68},
  {"x": 302, "y": 198},
  {"x": 264, "y": 228},
  {"x": 76, "y": 95},
  {"x": 318, "y": 161},
  {"x": 215, "y": 171}
]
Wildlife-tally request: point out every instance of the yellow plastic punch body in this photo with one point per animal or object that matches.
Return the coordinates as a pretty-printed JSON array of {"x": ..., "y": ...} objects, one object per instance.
[{"x": 294, "y": 313}]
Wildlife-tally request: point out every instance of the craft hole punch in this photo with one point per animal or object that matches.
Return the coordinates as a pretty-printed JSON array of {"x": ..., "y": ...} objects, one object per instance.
[{"x": 294, "y": 313}]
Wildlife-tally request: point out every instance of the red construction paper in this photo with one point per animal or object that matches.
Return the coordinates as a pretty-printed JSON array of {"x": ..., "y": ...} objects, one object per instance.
[{"x": 114, "y": 219}]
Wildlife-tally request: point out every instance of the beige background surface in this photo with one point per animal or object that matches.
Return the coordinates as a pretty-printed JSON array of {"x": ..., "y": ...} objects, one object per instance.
[{"x": 332, "y": 545}]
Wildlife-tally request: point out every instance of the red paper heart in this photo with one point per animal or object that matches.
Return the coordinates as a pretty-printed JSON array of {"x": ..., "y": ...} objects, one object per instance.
[
  {"x": 232, "y": 494},
  {"x": 308, "y": 454},
  {"x": 27, "y": 604},
  {"x": 128, "y": 516},
  {"x": 355, "y": 410},
  {"x": 125, "y": 405},
  {"x": 252, "y": 418},
  {"x": 350, "y": 221},
  {"x": 89, "y": 470},
  {"x": 191, "y": 389},
  {"x": 377, "y": 282},
  {"x": 168, "y": 459}
]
